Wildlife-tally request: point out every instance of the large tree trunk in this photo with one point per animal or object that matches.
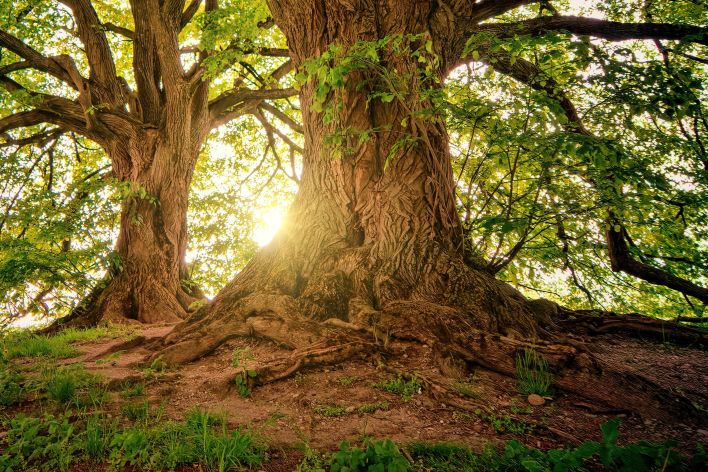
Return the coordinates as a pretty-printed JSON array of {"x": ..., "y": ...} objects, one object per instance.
[
  {"x": 371, "y": 245},
  {"x": 149, "y": 284},
  {"x": 372, "y": 254}
]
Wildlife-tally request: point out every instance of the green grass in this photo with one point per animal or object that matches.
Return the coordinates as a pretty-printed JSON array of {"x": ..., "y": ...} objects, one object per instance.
[
  {"x": 62, "y": 384},
  {"x": 133, "y": 390},
  {"x": 465, "y": 388},
  {"x": 347, "y": 380},
  {"x": 10, "y": 386},
  {"x": 330, "y": 411},
  {"x": 24, "y": 343},
  {"x": 532, "y": 373},
  {"x": 54, "y": 443},
  {"x": 637, "y": 457},
  {"x": 405, "y": 386}
]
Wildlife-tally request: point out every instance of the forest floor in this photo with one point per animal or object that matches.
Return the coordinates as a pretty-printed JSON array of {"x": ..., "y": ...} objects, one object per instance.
[{"x": 321, "y": 407}]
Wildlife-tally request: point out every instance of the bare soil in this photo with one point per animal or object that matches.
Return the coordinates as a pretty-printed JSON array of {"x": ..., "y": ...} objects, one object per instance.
[{"x": 284, "y": 411}]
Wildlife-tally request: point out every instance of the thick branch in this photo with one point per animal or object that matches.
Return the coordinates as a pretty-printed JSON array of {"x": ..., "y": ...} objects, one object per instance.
[
  {"x": 189, "y": 13},
  {"x": 610, "y": 30},
  {"x": 622, "y": 261},
  {"x": 34, "y": 58},
  {"x": 130, "y": 34},
  {"x": 98, "y": 51}
]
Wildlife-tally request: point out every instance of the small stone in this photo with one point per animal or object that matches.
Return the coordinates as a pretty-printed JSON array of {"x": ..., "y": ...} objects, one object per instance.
[{"x": 535, "y": 400}]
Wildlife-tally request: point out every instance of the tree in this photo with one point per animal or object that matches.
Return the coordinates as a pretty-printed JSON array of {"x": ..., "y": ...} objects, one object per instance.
[
  {"x": 374, "y": 247},
  {"x": 150, "y": 118}
]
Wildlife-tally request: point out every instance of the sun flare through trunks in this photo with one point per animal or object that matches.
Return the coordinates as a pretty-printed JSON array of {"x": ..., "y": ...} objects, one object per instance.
[{"x": 267, "y": 225}]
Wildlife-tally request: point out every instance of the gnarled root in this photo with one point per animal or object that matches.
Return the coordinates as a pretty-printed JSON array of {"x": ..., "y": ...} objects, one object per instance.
[{"x": 457, "y": 348}]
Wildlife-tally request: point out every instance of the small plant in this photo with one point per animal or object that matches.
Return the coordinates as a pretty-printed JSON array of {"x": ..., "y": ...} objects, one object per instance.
[
  {"x": 330, "y": 411},
  {"x": 347, "y": 380},
  {"x": 98, "y": 436},
  {"x": 133, "y": 390},
  {"x": 532, "y": 373},
  {"x": 241, "y": 381},
  {"x": 507, "y": 424},
  {"x": 376, "y": 455},
  {"x": 10, "y": 386},
  {"x": 466, "y": 388},
  {"x": 373, "y": 407},
  {"x": 158, "y": 366},
  {"x": 97, "y": 395},
  {"x": 136, "y": 411},
  {"x": 242, "y": 358},
  {"x": 406, "y": 388},
  {"x": 61, "y": 385},
  {"x": 313, "y": 461}
]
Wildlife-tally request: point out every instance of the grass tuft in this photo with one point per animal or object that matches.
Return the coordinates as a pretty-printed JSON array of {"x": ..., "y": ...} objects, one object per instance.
[{"x": 532, "y": 373}]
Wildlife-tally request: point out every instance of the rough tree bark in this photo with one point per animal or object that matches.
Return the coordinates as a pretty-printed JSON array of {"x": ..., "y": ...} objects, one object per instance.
[
  {"x": 370, "y": 251},
  {"x": 152, "y": 134}
]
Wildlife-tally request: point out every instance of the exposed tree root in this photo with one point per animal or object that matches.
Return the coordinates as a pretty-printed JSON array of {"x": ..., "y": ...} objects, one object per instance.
[{"x": 458, "y": 347}]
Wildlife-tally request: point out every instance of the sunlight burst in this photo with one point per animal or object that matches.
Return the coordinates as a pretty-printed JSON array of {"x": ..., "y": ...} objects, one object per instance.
[{"x": 267, "y": 225}]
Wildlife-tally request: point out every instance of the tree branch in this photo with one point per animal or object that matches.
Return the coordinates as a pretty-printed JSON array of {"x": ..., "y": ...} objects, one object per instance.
[
  {"x": 130, "y": 34},
  {"x": 221, "y": 105},
  {"x": 189, "y": 13},
  {"x": 35, "y": 59},
  {"x": 609, "y": 30},
  {"x": 622, "y": 261},
  {"x": 98, "y": 52}
]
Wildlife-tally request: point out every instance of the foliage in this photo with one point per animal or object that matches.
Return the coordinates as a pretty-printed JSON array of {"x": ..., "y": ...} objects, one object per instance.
[
  {"x": 532, "y": 373},
  {"x": 47, "y": 443},
  {"x": 405, "y": 386},
  {"x": 381, "y": 455},
  {"x": 639, "y": 457},
  {"x": 10, "y": 385},
  {"x": 53, "y": 443}
]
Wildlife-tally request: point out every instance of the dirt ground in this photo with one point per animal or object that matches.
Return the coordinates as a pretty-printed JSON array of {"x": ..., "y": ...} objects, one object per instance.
[{"x": 284, "y": 412}]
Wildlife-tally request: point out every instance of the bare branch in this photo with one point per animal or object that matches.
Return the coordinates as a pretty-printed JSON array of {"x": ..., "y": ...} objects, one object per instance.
[
  {"x": 34, "y": 58},
  {"x": 130, "y": 34},
  {"x": 609, "y": 30},
  {"x": 294, "y": 125},
  {"x": 232, "y": 98},
  {"x": 622, "y": 261},
  {"x": 189, "y": 13}
]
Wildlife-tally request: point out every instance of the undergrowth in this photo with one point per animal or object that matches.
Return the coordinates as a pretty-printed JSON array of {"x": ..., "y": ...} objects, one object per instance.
[
  {"x": 405, "y": 386},
  {"x": 53, "y": 443}
]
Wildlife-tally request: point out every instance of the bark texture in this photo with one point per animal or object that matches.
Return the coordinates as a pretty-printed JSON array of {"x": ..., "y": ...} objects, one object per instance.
[
  {"x": 370, "y": 253},
  {"x": 152, "y": 133}
]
